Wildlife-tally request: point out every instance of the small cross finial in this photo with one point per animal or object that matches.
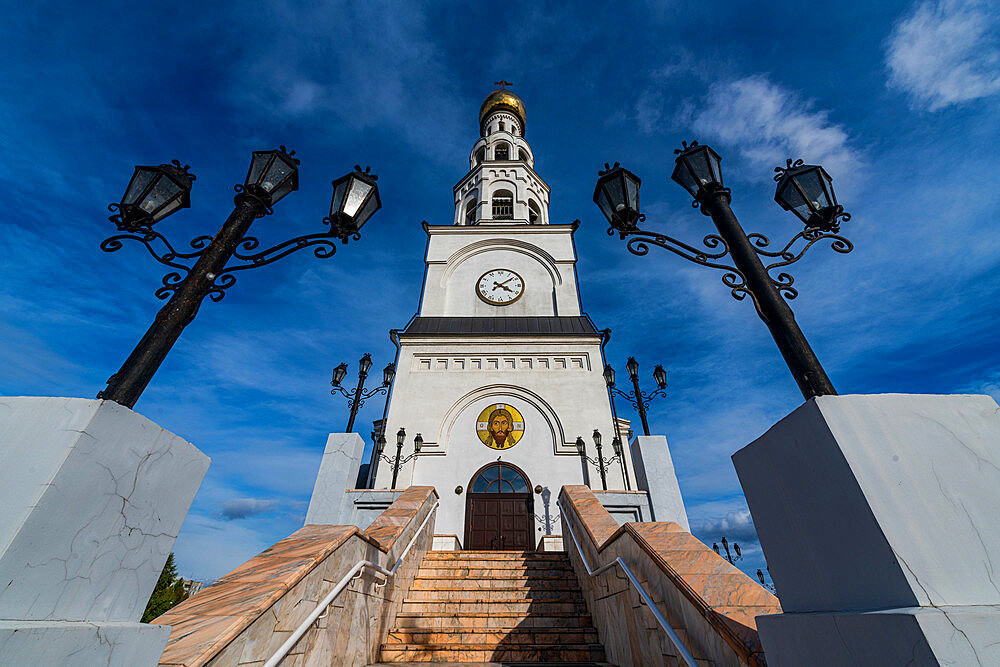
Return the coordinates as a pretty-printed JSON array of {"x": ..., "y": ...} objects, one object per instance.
[{"x": 503, "y": 83}]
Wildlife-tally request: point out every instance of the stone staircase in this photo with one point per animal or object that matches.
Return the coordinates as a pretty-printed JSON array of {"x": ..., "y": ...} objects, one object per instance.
[{"x": 494, "y": 606}]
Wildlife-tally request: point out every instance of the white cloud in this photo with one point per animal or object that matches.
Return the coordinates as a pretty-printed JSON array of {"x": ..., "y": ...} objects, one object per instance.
[
  {"x": 946, "y": 53},
  {"x": 767, "y": 123},
  {"x": 736, "y": 525}
]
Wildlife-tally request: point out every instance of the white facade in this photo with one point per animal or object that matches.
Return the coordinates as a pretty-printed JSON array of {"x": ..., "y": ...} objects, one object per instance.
[{"x": 538, "y": 353}]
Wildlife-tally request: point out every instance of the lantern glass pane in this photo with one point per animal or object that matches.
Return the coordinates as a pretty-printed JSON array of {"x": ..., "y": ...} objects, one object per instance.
[
  {"x": 140, "y": 179},
  {"x": 700, "y": 166},
  {"x": 683, "y": 176},
  {"x": 283, "y": 189},
  {"x": 614, "y": 188},
  {"x": 276, "y": 175},
  {"x": 793, "y": 199},
  {"x": 603, "y": 202},
  {"x": 373, "y": 204},
  {"x": 257, "y": 165},
  {"x": 169, "y": 208},
  {"x": 633, "y": 368},
  {"x": 356, "y": 196},
  {"x": 632, "y": 189},
  {"x": 339, "y": 189},
  {"x": 812, "y": 184},
  {"x": 163, "y": 191}
]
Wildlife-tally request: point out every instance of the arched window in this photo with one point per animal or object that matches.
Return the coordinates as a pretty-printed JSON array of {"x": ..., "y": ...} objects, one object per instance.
[
  {"x": 470, "y": 212},
  {"x": 499, "y": 478},
  {"x": 501, "y": 126},
  {"x": 480, "y": 155},
  {"x": 503, "y": 205},
  {"x": 522, "y": 155},
  {"x": 533, "y": 213},
  {"x": 501, "y": 152}
]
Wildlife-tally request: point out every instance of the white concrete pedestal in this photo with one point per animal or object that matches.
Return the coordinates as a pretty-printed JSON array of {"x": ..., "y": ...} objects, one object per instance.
[
  {"x": 878, "y": 516},
  {"x": 654, "y": 473},
  {"x": 338, "y": 472},
  {"x": 92, "y": 496}
]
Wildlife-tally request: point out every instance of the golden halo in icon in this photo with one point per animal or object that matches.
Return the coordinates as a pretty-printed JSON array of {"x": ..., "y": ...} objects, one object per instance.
[{"x": 500, "y": 426}]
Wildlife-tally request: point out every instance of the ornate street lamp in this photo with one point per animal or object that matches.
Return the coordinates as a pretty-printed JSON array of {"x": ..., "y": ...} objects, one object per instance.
[
  {"x": 358, "y": 396},
  {"x": 599, "y": 462},
  {"x": 806, "y": 190},
  {"x": 156, "y": 192},
  {"x": 637, "y": 398},
  {"x": 399, "y": 459}
]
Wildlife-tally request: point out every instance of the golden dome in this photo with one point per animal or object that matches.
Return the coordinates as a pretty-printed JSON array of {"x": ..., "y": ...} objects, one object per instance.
[{"x": 502, "y": 99}]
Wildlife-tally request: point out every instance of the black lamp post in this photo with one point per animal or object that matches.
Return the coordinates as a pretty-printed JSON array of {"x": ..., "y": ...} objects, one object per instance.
[
  {"x": 581, "y": 449},
  {"x": 399, "y": 459},
  {"x": 806, "y": 190},
  {"x": 156, "y": 192},
  {"x": 637, "y": 398},
  {"x": 358, "y": 396}
]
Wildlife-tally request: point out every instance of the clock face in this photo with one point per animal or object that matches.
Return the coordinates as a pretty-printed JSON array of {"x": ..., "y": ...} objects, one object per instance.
[{"x": 500, "y": 287}]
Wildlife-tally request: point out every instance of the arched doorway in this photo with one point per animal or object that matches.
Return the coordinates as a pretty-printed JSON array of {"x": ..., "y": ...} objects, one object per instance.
[{"x": 499, "y": 509}]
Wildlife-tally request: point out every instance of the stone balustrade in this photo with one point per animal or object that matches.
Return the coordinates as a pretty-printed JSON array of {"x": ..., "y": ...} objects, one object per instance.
[
  {"x": 709, "y": 602},
  {"x": 244, "y": 617}
]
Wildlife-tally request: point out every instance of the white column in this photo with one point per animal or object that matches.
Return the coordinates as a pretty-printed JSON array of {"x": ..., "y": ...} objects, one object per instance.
[
  {"x": 878, "y": 516},
  {"x": 93, "y": 496}
]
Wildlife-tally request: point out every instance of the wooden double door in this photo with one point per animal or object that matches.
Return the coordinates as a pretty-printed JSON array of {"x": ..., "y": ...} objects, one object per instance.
[{"x": 499, "y": 510}]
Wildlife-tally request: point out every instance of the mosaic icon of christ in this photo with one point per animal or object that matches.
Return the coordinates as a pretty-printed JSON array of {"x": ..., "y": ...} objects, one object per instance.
[{"x": 500, "y": 426}]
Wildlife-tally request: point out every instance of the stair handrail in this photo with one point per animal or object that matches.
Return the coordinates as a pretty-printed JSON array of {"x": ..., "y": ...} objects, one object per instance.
[
  {"x": 283, "y": 650},
  {"x": 671, "y": 633}
]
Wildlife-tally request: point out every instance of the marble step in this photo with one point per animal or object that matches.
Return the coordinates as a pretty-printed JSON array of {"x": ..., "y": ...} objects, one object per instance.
[
  {"x": 509, "y": 605},
  {"x": 512, "y": 583},
  {"x": 410, "y": 620},
  {"x": 450, "y": 595},
  {"x": 493, "y": 637},
  {"x": 497, "y": 555},
  {"x": 482, "y": 653},
  {"x": 490, "y": 573},
  {"x": 493, "y": 571}
]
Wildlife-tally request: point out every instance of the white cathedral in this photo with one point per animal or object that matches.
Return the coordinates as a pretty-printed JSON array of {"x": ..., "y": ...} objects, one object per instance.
[{"x": 499, "y": 376}]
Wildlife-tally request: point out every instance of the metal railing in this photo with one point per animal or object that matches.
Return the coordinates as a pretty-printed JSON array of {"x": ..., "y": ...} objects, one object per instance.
[
  {"x": 355, "y": 571},
  {"x": 671, "y": 633}
]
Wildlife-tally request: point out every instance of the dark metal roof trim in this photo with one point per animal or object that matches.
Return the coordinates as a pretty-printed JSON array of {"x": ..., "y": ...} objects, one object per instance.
[{"x": 500, "y": 326}]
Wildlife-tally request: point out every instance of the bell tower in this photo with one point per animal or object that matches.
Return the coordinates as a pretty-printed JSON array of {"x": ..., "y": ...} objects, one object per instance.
[{"x": 501, "y": 185}]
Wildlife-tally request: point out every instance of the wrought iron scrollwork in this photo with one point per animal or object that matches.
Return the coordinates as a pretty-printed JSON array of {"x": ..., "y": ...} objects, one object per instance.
[
  {"x": 324, "y": 244},
  {"x": 152, "y": 240},
  {"x": 786, "y": 256},
  {"x": 639, "y": 241},
  {"x": 363, "y": 396},
  {"x": 642, "y": 399}
]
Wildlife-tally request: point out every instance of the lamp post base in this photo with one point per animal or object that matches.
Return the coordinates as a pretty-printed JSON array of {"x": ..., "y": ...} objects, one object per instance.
[{"x": 878, "y": 513}]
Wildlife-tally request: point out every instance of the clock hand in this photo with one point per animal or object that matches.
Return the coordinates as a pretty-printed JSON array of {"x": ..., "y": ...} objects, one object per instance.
[
  {"x": 502, "y": 286},
  {"x": 507, "y": 281}
]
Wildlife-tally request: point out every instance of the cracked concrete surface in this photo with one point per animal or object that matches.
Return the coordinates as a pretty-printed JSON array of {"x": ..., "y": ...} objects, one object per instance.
[
  {"x": 95, "y": 495},
  {"x": 907, "y": 489}
]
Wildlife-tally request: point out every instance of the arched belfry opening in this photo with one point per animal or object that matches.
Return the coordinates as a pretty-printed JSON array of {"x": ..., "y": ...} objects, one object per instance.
[
  {"x": 502, "y": 151},
  {"x": 499, "y": 509}
]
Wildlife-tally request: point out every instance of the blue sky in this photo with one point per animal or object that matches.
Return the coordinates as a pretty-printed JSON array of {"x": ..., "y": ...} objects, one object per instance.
[{"x": 898, "y": 100}]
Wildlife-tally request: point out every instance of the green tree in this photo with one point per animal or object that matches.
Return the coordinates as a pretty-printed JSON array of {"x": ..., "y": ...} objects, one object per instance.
[{"x": 168, "y": 592}]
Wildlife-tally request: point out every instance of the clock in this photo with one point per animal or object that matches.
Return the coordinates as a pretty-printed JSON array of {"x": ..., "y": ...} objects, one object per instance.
[{"x": 500, "y": 287}]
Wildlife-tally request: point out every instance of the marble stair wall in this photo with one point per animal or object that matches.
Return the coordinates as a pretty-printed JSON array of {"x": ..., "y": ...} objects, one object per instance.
[
  {"x": 710, "y": 603},
  {"x": 244, "y": 617}
]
